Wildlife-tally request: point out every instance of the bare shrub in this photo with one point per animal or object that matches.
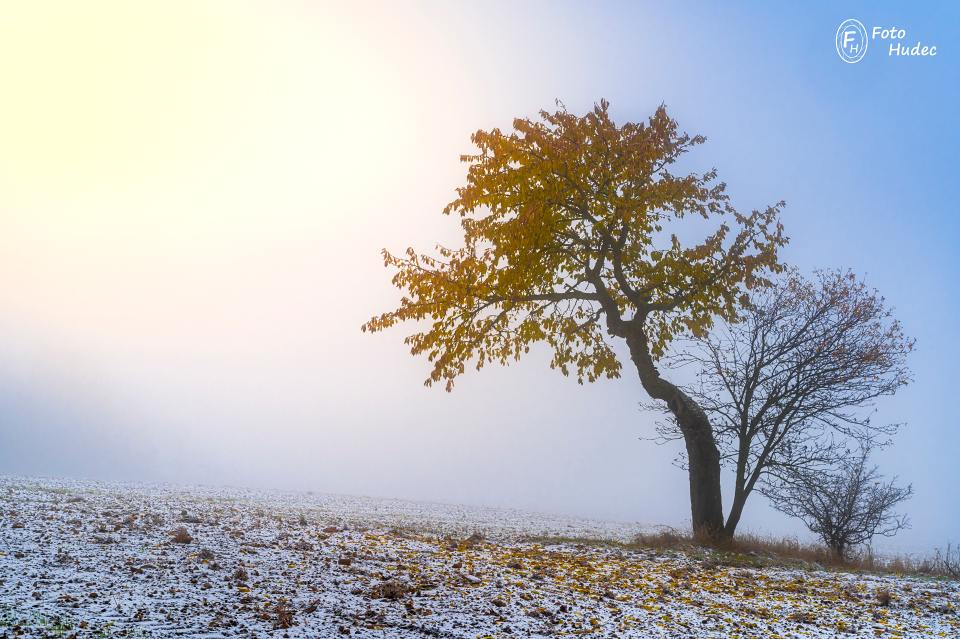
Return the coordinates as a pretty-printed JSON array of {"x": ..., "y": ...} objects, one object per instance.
[{"x": 845, "y": 508}]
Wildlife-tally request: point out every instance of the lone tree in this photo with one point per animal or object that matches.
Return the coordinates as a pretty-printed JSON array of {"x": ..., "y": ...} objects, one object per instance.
[
  {"x": 845, "y": 508},
  {"x": 790, "y": 386},
  {"x": 565, "y": 241}
]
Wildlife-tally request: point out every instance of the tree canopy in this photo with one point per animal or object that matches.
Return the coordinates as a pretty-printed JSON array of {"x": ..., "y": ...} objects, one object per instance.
[{"x": 568, "y": 229}]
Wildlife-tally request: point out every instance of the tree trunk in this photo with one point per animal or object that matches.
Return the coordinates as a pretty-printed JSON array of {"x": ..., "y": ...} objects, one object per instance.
[
  {"x": 736, "y": 510},
  {"x": 703, "y": 457},
  {"x": 740, "y": 488}
]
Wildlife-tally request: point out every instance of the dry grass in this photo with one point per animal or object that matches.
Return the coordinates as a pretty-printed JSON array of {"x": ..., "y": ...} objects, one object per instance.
[
  {"x": 750, "y": 550},
  {"x": 792, "y": 550},
  {"x": 945, "y": 563},
  {"x": 782, "y": 548},
  {"x": 664, "y": 539},
  {"x": 941, "y": 564}
]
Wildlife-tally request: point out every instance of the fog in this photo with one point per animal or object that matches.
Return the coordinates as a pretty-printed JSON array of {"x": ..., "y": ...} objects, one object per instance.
[{"x": 193, "y": 199}]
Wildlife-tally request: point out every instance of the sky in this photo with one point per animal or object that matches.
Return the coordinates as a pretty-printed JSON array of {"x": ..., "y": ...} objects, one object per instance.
[{"x": 193, "y": 197}]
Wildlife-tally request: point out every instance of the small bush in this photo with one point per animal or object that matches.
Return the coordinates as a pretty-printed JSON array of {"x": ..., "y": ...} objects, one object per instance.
[{"x": 181, "y": 536}]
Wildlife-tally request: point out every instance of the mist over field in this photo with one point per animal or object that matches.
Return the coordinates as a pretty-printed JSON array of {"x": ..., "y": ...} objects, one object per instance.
[{"x": 193, "y": 199}]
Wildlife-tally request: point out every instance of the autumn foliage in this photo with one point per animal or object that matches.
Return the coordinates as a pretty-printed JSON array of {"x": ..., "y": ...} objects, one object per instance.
[{"x": 566, "y": 219}]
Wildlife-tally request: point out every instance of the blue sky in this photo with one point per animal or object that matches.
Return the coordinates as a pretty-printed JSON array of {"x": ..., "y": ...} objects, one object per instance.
[{"x": 185, "y": 266}]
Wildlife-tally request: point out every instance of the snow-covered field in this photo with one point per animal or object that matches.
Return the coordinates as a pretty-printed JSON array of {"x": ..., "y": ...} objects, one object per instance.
[{"x": 90, "y": 559}]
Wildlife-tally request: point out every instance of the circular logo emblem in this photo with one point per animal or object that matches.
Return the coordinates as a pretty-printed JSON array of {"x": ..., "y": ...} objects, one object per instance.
[{"x": 851, "y": 41}]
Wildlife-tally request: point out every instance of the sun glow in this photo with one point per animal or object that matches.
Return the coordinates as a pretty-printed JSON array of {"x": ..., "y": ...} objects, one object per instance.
[
  {"x": 158, "y": 156},
  {"x": 123, "y": 113}
]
